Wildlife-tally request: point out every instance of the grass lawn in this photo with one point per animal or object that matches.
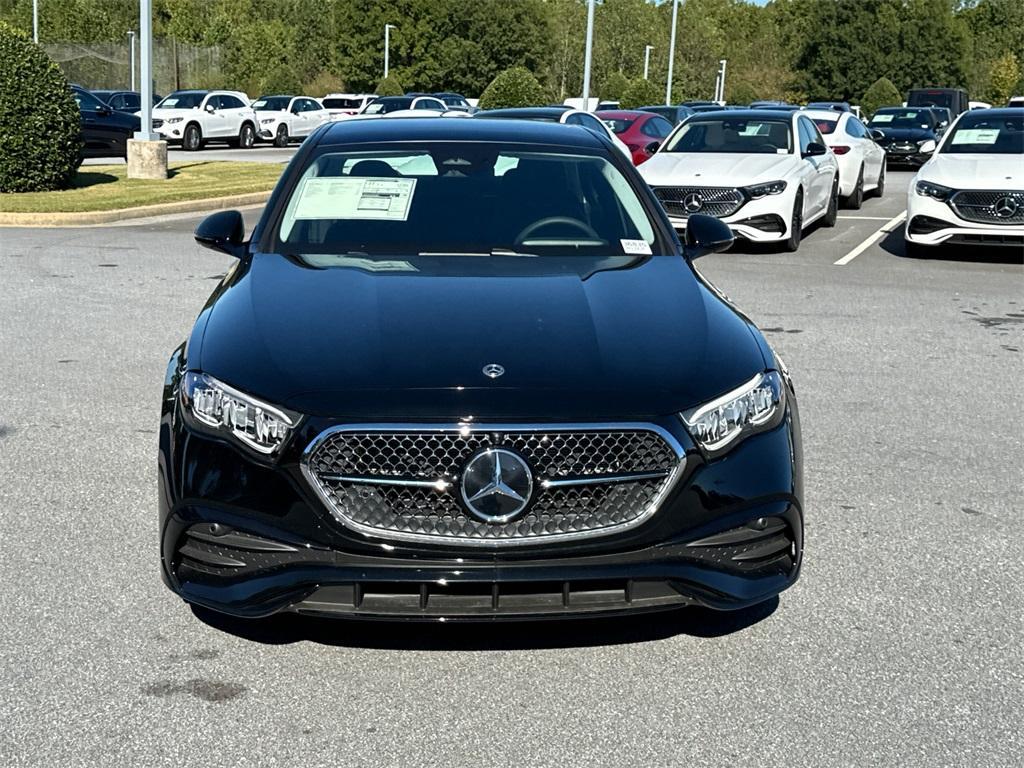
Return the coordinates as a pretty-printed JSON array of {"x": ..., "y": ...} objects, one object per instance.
[{"x": 105, "y": 188}]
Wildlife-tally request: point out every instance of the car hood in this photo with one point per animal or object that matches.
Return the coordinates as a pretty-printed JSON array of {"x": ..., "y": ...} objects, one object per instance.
[
  {"x": 164, "y": 113},
  {"x": 971, "y": 171},
  {"x": 714, "y": 169},
  {"x": 345, "y": 342},
  {"x": 902, "y": 134}
]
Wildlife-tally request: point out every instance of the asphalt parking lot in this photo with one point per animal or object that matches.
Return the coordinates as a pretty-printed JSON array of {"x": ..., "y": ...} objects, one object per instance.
[{"x": 900, "y": 645}]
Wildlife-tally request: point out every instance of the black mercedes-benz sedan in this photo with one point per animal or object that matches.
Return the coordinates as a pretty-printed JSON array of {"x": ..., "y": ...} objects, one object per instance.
[{"x": 464, "y": 369}]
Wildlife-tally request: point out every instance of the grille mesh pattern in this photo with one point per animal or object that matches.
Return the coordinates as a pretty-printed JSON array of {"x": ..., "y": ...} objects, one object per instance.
[
  {"x": 985, "y": 206},
  {"x": 429, "y": 456},
  {"x": 715, "y": 201}
]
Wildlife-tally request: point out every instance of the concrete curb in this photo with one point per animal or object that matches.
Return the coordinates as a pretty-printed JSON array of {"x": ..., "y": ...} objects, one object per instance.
[{"x": 57, "y": 219}]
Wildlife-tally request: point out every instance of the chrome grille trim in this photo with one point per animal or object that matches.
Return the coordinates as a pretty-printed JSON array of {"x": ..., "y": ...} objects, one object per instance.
[
  {"x": 979, "y": 205},
  {"x": 442, "y": 488},
  {"x": 718, "y": 201}
]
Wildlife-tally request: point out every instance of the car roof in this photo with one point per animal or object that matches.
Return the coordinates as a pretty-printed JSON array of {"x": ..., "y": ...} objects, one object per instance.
[
  {"x": 739, "y": 114},
  {"x": 995, "y": 112},
  {"x": 281, "y": 96},
  {"x": 528, "y": 113},
  {"x": 823, "y": 114},
  {"x": 413, "y": 129},
  {"x": 624, "y": 114}
]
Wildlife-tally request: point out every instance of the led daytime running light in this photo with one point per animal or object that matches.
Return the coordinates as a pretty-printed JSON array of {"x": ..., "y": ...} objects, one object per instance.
[
  {"x": 256, "y": 424},
  {"x": 721, "y": 422}
]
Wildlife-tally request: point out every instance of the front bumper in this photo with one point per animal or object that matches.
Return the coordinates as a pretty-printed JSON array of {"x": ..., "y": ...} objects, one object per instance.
[
  {"x": 249, "y": 539},
  {"x": 931, "y": 222},
  {"x": 765, "y": 220},
  {"x": 906, "y": 157}
]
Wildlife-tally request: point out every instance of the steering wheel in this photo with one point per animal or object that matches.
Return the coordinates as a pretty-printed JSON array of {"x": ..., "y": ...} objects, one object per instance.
[{"x": 568, "y": 220}]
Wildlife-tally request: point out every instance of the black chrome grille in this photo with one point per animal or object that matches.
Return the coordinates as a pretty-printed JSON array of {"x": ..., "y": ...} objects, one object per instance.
[
  {"x": 404, "y": 484},
  {"x": 681, "y": 202},
  {"x": 986, "y": 206}
]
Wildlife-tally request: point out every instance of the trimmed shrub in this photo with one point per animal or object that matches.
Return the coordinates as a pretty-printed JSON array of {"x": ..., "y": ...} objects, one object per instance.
[
  {"x": 641, "y": 93},
  {"x": 40, "y": 127},
  {"x": 389, "y": 86},
  {"x": 515, "y": 87},
  {"x": 882, "y": 93},
  {"x": 613, "y": 86}
]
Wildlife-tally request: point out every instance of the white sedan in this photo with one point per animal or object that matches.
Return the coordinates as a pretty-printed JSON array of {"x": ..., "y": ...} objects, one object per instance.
[
  {"x": 861, "y": 160},
  {"x": 971, "y": 192},
  {"x": 283, "y": 118},
  {"x": 767, "y": 174}
]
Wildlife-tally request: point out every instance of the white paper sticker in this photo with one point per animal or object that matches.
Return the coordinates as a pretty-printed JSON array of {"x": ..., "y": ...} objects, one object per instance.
[
  {"x": 975, "y": 136},
  {"x": 340, "y": 197},
  {"x": 755, "y": 129},
  {"x": 636, "y": 247},
  {"x": 882, "y": 119}
]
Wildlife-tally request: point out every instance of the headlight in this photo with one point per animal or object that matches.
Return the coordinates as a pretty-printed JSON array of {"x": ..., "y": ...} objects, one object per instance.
[
  {"x": 755, "y": 406},
  {"x": 222, "y": 409},
  {"x": 937, "y": 191},
  {"x": 926, "y": 145},
  {"x": 768, "y": 188},
  {"x": 268, "y": 121},
  {"x": 172, "y": 120}
]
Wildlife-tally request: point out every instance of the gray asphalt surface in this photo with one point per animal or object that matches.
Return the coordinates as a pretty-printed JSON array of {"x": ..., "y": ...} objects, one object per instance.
[{"x": 902, "y": 644}]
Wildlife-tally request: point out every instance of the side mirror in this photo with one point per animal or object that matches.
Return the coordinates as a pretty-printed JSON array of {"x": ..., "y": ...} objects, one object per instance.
[
  {"x": 651, "y": 148},
  {"x": 706, "y": 234},
  {"x": 210, "y": 108},
  {"x": 877, "y": 135},
  {"x": 102, "y": 110},
  {"x": 223, "y": 232},
  {"x": 295, "y": 110},
  {"x": 814, "y": 149}
]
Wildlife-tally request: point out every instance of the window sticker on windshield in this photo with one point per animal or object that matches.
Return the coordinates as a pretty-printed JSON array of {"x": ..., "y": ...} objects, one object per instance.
[
  {"x": 975, "y": 136},
  {"x": 755, "y": 129},
  {"x": 882, "y": 119},
  {"x": 636, "y": 247},
  {"x": 355, "y": 198}
]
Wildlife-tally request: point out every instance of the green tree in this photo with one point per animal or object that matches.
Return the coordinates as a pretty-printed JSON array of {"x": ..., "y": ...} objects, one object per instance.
[
  {"x": 515, "y": 87},
  {"x": 613, "y": 86},
  {"x": 641, "y": 93},
  {"x": 1003, "y": 79},
  {"x": 40, "y": 126},
  {"x": 882, "y": 93},
  {"x": 389, "y": 86}
]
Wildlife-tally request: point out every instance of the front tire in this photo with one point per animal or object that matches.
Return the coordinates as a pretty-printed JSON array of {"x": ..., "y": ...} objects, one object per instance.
[
  {"x": 856, "y": 200},
  {"x": 832, "y": 214},
  {"x": 281, "y": 138},
  {"x": 246, "y": 136},
  {"x": 880, "y": 189},
  {"x": 796, "y": 225},
  {"x": 192, "y": 138}
]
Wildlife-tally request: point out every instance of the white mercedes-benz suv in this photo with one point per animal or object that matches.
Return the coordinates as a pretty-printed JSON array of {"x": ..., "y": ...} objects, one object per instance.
[
  {"x": 194, "y": 118},
  {"x": 767, "y": 174},
  {"x": 972, "y": 190}
]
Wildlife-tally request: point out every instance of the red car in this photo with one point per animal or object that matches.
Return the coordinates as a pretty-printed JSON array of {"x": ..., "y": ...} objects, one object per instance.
[{"x": 640, "y": 131}]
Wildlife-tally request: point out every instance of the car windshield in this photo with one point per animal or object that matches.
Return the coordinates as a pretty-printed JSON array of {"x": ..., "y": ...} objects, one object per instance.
[
  {"x": 825, "y": 125},
  {"x": 472, "y": 200},
  {"x": 339, "y": 103},
  {"x": 272, "y": 103},
  {"x": 383, "y": 106},
  {"x": 987, "y": 135},
  {"x": 182, "y": 100},
  {"x": 732, "y": 135},
  {"x": 903, "y": 118}
]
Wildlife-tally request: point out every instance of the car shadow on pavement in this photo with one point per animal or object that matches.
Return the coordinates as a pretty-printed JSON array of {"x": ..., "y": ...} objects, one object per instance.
[
  {"x": 284, "y": 629},
  {"x": 894, "y": 244}
]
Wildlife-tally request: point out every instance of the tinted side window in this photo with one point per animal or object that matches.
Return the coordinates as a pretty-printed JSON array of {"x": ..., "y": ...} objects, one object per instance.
[
  {"x": 86, "y": 100},
  {"x": 212, "y": 101},
  {"x": 656, "y": 127},
  {"x": 806, "y": 137},
  {"x": 131, "y": 101},
  {"x": 573, "y": 120},
  {"x": 230, "y": 102},
  {"x": 591, "y": 122},
  {"x": 308, "y": 105}
]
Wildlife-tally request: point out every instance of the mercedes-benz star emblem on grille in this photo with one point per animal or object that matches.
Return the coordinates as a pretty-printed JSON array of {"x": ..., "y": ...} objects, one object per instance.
[
  {"x": 493, "y": 370},
  {"x": 693, "y": 202},
  {"x": 496, "y": 485},
  {"x": 1005, "y": 207}
]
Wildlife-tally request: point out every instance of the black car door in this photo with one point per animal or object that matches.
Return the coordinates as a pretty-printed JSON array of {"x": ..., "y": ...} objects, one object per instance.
[{"x": 102, "y": 133}]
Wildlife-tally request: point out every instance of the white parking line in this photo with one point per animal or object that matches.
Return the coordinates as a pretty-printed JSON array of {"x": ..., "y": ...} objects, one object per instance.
[{"x": 885, "y": 229}]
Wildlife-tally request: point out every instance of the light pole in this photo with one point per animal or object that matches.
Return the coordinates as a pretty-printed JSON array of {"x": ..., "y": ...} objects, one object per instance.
[
  {"x": 647, "y": 59},
  {"x": 720, "y": 96},
  {"x": 588, "y": 54},
  {"x": 387, "y": 48},
  {"x": 131, "y": 56},
  {"x": 35, "y": 21},
  {"x": 147, "y": 152},
  {"x": 671, "y": 52}
]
